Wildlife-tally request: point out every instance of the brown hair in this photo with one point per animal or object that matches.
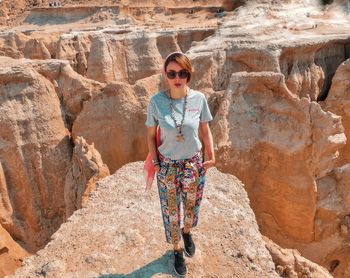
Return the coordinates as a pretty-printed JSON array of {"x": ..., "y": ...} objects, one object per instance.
[{"x": 182, "y": 60}]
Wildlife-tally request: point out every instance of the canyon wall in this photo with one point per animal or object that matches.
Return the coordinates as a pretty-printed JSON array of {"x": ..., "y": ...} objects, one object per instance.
[
  {"x": 36, "y": 153},
  {"x": 271, "y": 140}
]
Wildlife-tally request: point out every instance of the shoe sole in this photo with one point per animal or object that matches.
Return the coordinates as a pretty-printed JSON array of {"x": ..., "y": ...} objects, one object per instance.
[{"x": 182, "y": 275}]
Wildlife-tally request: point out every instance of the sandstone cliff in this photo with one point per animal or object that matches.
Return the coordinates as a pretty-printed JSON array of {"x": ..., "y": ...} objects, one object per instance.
[
  {"x": 86, "y": 169},
  {"x": 35, "y": 153},
  {"x": 338, "y": 102},
  {"x": 11, "y": 253},
  {"x": 272, "y": 141}
]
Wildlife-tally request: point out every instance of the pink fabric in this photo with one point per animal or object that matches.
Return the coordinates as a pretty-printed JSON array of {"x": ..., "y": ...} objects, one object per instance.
[{"x": 148, "y": 168}]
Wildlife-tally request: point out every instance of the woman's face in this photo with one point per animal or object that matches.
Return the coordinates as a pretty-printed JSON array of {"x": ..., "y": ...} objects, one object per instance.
[{"x": 180, "y": 79}]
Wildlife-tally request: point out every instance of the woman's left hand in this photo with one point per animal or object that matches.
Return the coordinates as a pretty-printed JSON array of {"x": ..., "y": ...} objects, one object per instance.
[{"x": 208, "y": 164}]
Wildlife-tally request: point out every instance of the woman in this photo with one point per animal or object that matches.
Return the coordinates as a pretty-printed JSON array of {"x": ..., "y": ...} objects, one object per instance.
[{"x": 181, "y": 113}]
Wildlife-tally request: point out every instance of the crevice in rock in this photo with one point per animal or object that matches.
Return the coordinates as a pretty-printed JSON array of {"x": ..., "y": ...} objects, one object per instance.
[
  {"x": 187, "y": 37},
  {"x": 327, "y": 2},
  {"x": 347, "y": 50},
  {"x": 333, "y": 265},
  {"x": 311, "y": 67},
  {"x": 325, "y": 89},
  {"x": 328, "y": 81},
  {"x": 4, "y": 250},
  {"x": 330, "y": 70},
  {"x": 215, "y": 100}
]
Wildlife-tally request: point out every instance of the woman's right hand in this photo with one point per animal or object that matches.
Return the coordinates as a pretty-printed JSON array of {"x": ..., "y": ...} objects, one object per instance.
[{"x": 157, "y": 168}]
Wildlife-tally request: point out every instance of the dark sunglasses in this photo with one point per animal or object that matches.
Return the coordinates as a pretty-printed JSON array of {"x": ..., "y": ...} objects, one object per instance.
[{"x": 182, "y": 74}]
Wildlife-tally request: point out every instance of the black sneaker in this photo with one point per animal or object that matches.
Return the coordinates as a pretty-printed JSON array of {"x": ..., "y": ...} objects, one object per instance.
[
  {"x": 180, "y": 265},
  {"x": 190, "y": 248}
]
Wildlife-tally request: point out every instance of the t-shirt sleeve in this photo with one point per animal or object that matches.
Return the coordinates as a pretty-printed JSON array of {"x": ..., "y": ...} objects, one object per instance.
[
  {"x": 205, "y": 113},
  {"x": 152, "y": 115}
]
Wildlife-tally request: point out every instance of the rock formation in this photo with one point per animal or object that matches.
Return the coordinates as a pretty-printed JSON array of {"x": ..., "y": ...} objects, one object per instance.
[
  {"x": 75, "y": 49},
  {"x": 289, "y": 263},
  {"x": 35, "y": 49},
  {"x": 332, "y": 222},
  {"x": 105, "y": 119},
  {"x": 337, "y": 101},
  {"x": 268, "y": 68},
  {"x": 272, "y": 141},
  {"x": 332, "y": 215},
  {"x": 36, "y": 151},
  {"x": 11, "y": 253},
  {"x": 87, "y": 168},
  {"x": 119, "y": 231}
]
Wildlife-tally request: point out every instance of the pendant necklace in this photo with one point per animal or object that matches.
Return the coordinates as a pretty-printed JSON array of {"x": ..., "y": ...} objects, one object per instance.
[{"x": 179, "y": 136}]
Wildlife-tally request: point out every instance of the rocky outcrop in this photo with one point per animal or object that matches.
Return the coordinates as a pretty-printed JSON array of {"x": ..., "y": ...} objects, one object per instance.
[
  {"x": 107, "y": 60},
  {"x": 87, "y": 168},
  {"x": 11, "y": 253},
  {"x": 332, "y": 222},
  {"x": 269, "y": 129},
  {"x": 277, "y": 144},
  {"x": 120, "y": 232},
  {"x": 309, "y": 69},
  {"x": 104, "y": 56},
  {"x": 105, "y": 119},
  {"x": 72, "y": 88},
  {"x": 75, "y": 90},
  {"x": 35, "y": 49},
  {"x": 36, "y": 150},
  {"x": 12, "y": 44},
  {"x": 290, "y": 263},
  {"x": 337, "y": 102},
  {"x": 75, "y": 48}
]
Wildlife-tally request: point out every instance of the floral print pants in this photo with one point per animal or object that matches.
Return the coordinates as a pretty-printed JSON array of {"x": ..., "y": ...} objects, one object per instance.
[{"x": 180, "y": 180}]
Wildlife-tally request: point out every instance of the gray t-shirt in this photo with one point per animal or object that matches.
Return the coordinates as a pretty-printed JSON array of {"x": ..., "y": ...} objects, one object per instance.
[{"x": 159, "y": 113}]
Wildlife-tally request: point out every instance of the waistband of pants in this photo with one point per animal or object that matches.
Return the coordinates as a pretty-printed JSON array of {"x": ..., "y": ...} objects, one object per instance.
[{"x": 196, "y": 157}]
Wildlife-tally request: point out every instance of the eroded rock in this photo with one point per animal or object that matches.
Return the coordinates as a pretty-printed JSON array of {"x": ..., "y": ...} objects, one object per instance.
[
  {"x": 290, "y": 263},
  {"x": 35, "y": 152},
  {"x": 114, "y": 121},
  {"x": 277, "y": 144},
  {"x": 74, "y": 48},
  {"x": 11, "y": 253},
  {"x": 338, "y": 101},
  {"x": 87, "y": 168},
  {"x": 35, "y": 49},
  {"x": 132, "y": 241},
  {"x": 283, "y": 148},
  {"x": 309, "y": 69},
  {"x": 332, "y": 222}
]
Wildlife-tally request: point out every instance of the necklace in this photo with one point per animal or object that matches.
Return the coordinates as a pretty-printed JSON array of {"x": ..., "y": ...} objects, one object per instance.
[{"x": 179, "y": 136}]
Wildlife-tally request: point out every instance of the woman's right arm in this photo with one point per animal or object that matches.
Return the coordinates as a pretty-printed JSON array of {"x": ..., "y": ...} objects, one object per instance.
[{"x": 152, "y": 144}]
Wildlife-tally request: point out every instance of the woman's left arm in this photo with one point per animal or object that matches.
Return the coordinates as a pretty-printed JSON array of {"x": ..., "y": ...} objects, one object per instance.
[{"x": 208, "y": 144}]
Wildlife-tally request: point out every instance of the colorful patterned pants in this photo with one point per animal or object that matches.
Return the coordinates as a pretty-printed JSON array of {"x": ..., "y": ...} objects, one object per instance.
[{"x": 180, "y": 180}]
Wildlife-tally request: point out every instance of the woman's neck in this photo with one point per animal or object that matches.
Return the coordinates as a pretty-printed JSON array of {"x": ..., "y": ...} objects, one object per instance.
[{"x": 179, "y": 93}]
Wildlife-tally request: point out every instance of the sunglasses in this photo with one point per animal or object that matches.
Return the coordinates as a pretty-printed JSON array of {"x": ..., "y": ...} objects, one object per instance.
[{"x": 182, "y": 74}]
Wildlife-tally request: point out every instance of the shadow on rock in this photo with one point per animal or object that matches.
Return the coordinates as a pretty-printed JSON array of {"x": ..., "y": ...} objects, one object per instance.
[{"x": 162, "y": 265}]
